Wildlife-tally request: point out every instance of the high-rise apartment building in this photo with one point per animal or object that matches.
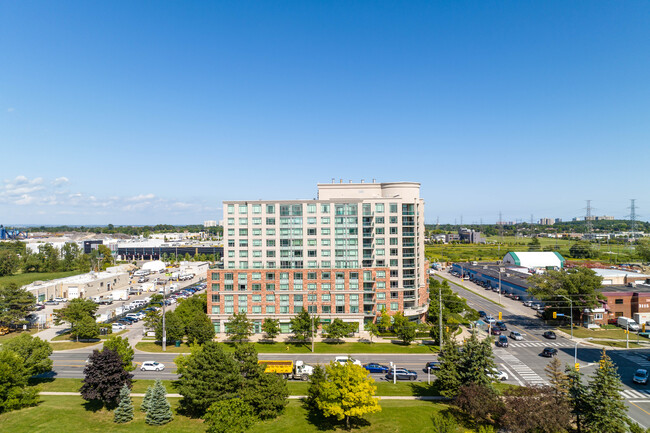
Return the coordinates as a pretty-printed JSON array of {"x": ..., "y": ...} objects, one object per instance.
[{"x": 355, "y": 250}]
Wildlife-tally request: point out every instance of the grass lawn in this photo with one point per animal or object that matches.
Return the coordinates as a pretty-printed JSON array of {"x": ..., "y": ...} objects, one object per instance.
[
  {"x": 355, "y": 347},
  {"x": 73, "y": 385},
  {"x": 64, "y": 414},
  {"x": 23, "y": 279},
  {"x": 581, "y": 332},
  {"x": 12, "y": 335},
  {"x": 66, "y": 336},
  {"x": 611, "y": 343},
  {"x": 67, "y": 345}
]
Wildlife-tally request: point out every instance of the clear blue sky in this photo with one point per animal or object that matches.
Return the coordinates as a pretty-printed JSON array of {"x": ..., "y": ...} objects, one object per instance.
[{"x": 133, "y": 112}]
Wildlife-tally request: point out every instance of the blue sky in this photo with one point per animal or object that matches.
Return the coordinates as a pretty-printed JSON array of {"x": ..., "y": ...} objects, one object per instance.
[{"x": 133, "y": 112}]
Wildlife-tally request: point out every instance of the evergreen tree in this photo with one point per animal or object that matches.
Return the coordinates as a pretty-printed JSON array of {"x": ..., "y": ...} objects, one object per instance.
[
  {"x": 124, "y": 411},
  {"x": 477, "y": 361},
  {"x": 313, "y": 393},
  {"x": 146, "y": 401},
  {"x": 556, "y": 377},
  {"x": 605, "y": 407},
  {"x": 577, "y": 395},
  {"x": 159, "y": 411},
  {"x": 448, "y": 377}
]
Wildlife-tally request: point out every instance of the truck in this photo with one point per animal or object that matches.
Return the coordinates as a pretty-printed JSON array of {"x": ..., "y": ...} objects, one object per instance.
[
  {"x": 120, "y": 295},
  {"x": 627, "y": 323},
  {"x": 287, "y": 369}
]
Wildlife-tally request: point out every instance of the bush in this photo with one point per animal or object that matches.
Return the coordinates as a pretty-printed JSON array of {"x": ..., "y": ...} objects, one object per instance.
[
  {"x": 442, "y": 424},
  {"x": 229, "y": 416}
]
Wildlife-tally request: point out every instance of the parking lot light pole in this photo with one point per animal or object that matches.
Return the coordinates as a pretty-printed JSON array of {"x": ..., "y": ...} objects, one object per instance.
[
  {"x": 394, "y": 374},
  {"x": 428, "y": 375}
]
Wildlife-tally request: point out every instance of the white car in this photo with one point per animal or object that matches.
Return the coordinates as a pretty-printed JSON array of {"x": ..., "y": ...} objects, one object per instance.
[
  {"x": 498, "y": 375},
  {"x": 152, "y": 366},
  {"x": 117, "y": 327},
  {"x": 489, "y": 320},
  {"x": 344, "y": 359},
  {"x": 60, "y": 300},
  {"x": 516, "y": 336}
]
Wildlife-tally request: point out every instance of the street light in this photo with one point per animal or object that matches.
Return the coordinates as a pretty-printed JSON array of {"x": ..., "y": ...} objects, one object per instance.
[{"x": 571, "y": 308}]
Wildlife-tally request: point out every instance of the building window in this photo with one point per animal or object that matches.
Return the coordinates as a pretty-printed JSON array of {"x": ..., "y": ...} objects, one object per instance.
[
  {"x": 231, "y": 208},
  {"x": 256, "y": 309},
  {"x": 393, "y": 208},
  {"x": 325, "y": 231},
  {"x": 379, "y": 230},
  {"x": 311, "y": 208},
  {"x": 326, "y": 309},
  {"x": 324, "y": 208},
  {"x": 216, "y": 309},
  {"x": 379, "y": 207},
  {"x": 618, "y": 301},
  {"x": 393, "y": 230},
  {"x": 270, "y": 208},
  {"x": 270, "y": 286},
  {"x": 243, "y": 209},
  {"x": 270, "y": 309},
  {"x": 394, "y": 306}
]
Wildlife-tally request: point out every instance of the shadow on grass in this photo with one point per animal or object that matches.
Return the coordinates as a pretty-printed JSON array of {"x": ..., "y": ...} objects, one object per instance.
[
  {"x": 93, "y": 405},
  {"x": 424, "y": 390},
  {"x": 325, "y": 423},
  {"x": 464, "y": 420}
]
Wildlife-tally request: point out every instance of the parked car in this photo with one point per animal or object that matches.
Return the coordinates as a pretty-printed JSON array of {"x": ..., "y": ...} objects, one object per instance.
[
  {"x": 402, "y": 374},
  {"x": 516, "y": 297},
  {"x": 39, "y": 307},
  {"x": 550, "y": 335},
  {"x": 432, "y": 365},
  {"x": 117, "y": 327},
  {"x": 482, "y": 314},
  {"x": 502, "y": 326},
  {"x": 343, "y": 359},
  {"x": 528, "y": 303},
  {"x": 516, "y": 336},
  {"x": 373, "y": 367},
  {"x": 549, "y": 352},
  {"x": 124, "y": 322},
  {"x": 641, "y": 376},
  {"x": 502, "y": 341},
  {"x": 60, "y": 300},
  {"x": 152, "y": 366},
  {"x": 497, "y": 375},
  {"x": 51, "y": 302},
  {"x": 495, "y": 331}
]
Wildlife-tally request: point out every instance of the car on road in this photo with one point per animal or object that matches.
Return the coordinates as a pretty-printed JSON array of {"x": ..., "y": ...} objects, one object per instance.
[
  {"x": 640, "y": 376},
  {"x": 516, "y": 336},
  {"x": 495, "y": 331},
  {"x": 373, "y": 367},
  {"x": 502, "y": 341},
  {"x": 344, "y": 359},
  {"x": 502, "y": 326},
  {"x": 402, "y": 374},
  {"x": 482, "y": 314},
  {"x": 549, "y": 352},
  {"x": 152, "y": 366},
  {"x": 497, "y": 375},
  {"x": 432, "y": 365},
  {"x": 39, "y": 307},
  {"x": 550, "y": 335},
  {"x": 489, "y": 320}
]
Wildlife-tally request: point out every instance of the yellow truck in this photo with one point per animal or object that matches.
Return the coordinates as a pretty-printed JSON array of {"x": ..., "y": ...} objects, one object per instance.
[{"x": 287, "y": 369}]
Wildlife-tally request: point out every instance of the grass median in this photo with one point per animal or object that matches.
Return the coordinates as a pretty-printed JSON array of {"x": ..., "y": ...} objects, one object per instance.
[
  {"x": 68, "y": 345},
  {"x": 343, "y": 348}
]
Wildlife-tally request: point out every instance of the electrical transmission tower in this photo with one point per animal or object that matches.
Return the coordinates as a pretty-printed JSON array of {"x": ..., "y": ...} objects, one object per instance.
[
  {"x": 590, "y": 226},
  {"x": 632, "y": 216}
]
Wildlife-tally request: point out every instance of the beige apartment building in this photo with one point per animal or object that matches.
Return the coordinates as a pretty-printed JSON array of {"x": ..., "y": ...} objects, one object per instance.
[{"x": 354, "y": 251}]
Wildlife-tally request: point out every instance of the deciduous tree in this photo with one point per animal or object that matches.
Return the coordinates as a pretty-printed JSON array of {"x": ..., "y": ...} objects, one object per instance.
[
  {"x": 338, "y": 329},
  {"x": 199, "y": 328},
  {"x": 123, "y": 348},
  {"x": 271, "y": 327},
  {"x": 34, "y": 352},
  {"x": 86, "y": 328},
  {"x": 77, "y": 310},
  {"x": 480, "y": 402},
  {"x": 301, "y": 325},
  {"x": 535, "y": 409},
  {"x": 233, "y": 415},
  {"x": 14, "y": 376},
  {"x": 239, "y": 327},
  {"x": 372, "y": 329},
  {"x": 9, "y": 262},
  {"x": 174, "y": 329},
  {"x": 104, "y": 377}
]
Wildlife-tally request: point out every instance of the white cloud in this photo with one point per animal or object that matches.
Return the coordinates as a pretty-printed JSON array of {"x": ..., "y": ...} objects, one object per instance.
[
  {"x": 141, "y": 197},
  {"x": 60, "y": 180}
]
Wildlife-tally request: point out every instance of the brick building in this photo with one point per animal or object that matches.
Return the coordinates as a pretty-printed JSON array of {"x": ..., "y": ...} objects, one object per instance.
[{"x": 355, "y": 250}]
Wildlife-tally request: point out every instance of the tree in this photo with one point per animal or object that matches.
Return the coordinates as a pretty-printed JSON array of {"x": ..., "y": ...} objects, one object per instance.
[
  {"x": 233, "y": 415},
  {"x": 71, "y": 253},
  {"x": 208, "y": 375},
  {"x": 123, "y": 348},
  {"x": 33, "y": 351},
  {"x": 15, "y": 304},
  {"x": 582, "y": 250},
  {"x": 266, "y": 393},
  {"x": 199, "y": 328},
  {"x": 643, "y": 249},
  {"x": 271, "y": 327},
  {"x": 372, "y": 329},
  {"x": 606, "y": 411},
  {"x": 239, "y": 327},
  {"x": 104, "y": 377},
  {"x": 73, "y": 313},
  {"x": 556, "y": 377},
  {"x": 146, "y": 401},
  {"x": 315, "y": 383},
  {"x": 159, "y": 411},
  {"x": 173, "y": 327},
  {"x": 301, "y": 325},
  {"x": 534, "y": 244},
  {"x": 14, "y": 376},
  {"x": 406, "y": 332},
  {"x": 577, "y": 396},
  {"x": 338, "y": 329},
  {"x": 579, "y": 284},
  {"x": 384, "y": 320},
  {"x": 86, "y": 328},
  {"x": 124, "y": 410},
  {"x": 347, "y": 392},
  {"x": 448, "y": 377},
  {"x": 9, "y": 263},
  {"x": 443, "y": 424},
  {"x": 535, "y": 409},
  {"x": 187, "y": 308},
  {"x": 480, "y": 402},
  {"x": 477, "y": 361}
]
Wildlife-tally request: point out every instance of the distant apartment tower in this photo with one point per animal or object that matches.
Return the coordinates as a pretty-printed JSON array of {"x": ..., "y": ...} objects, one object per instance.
[
  {"x": 209, "y": 223},
  {"x": 546, "y": 221},
  {"x": 354, "y": 251}
]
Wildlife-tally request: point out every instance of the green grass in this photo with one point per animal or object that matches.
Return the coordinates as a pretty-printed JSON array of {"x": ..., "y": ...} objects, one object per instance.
[
  {"x": 73, "y": 385},
  {"x": 66, "y": 336},
  {"x": 23, "y": 279},
  {"x": 581, "y": 332},
  {"x": 621, "y": 344},
  {"x": 345, "y": 348},
  {"x": 473, "y": 291},
  {"x": 67, "y": 345},
  {"x": 12, "y": 335},
  {"x": 64, "y": 414}
]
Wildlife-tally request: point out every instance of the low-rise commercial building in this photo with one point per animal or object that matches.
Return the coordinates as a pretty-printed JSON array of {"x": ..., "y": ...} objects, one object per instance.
[{"x": 80, "y": 286}]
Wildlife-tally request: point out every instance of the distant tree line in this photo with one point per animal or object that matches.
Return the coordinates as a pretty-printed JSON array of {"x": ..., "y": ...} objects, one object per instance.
[{"x": 130, "y": 230}]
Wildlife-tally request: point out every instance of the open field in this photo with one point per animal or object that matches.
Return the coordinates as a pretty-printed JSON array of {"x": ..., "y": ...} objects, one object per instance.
[
  {"x": 63, "y": 414},
  {"x": 23, "y": 279},
  {"x": 345, "y": 348}
]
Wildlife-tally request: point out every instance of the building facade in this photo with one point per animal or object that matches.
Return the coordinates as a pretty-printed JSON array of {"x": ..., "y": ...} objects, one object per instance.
[{"x": 354, "y": 251}]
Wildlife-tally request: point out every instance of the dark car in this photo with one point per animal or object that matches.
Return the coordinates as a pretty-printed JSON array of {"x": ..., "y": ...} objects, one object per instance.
[
  {"x": 432, "y": 365},
  {"x": 502, "y": 326},
  {"x": 129, "y": 319},
  {"x": 549, "y": 352},
  {"x": 402, "y": 374},
  {"x": 373, "y": 367},
  {"x": 502, "y": 341},
  {"x": 51, "y": 302},
  {"x": 550, "y": 335},
  {"x": 39, "y": 307},
  {"x": 124, "y": 322},
  {"x": 482, "y": 314},
  {"x": 495, "y": 331}
]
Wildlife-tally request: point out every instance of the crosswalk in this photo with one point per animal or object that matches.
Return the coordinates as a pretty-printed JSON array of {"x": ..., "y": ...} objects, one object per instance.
[
  {"x": 535, "y": 344},
  {"x": 638, "y": 358},
  {"x": 634, "y": 394},
  {"x": 521, "y": 369}
]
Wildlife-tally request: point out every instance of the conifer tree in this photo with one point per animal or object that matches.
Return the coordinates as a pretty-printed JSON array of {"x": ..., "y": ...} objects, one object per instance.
[
  {"x": 159, "y": 411},
  {"x": 317, "y": 377},
  {"x": 448, "y": 377},
  {"x": 577, "y": 394},
  {"x": 556, "y": 377},
  {"x": 146, "y": 401},
  {"x": 606, "y": 411},
  {"x": 124, "y": 411}
]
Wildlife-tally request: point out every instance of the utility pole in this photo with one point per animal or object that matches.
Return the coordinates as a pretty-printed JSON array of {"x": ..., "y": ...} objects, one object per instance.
[
  {"x": 312, "y": 333},
  {"x": 164, "y": 330},
  {"x": 499, "y": 284},
  {"x": 440, "y": 315},
  {"x": 571, "y": 308}
]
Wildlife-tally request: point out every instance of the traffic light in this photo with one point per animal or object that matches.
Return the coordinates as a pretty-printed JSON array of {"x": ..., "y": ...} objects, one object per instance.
[
  {"x": 577, "y": 366},
  {"x": 555, "y": 314},
  {"x": 500, "y": 316}
]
